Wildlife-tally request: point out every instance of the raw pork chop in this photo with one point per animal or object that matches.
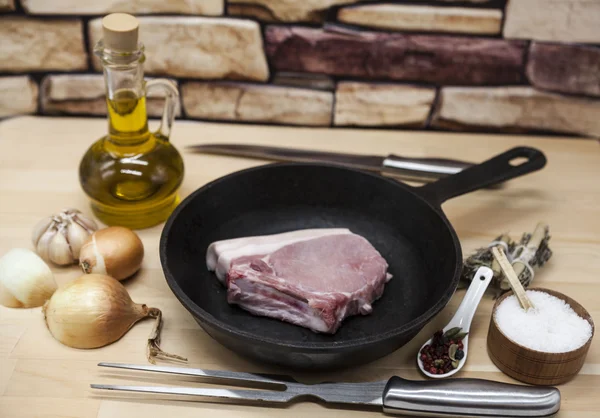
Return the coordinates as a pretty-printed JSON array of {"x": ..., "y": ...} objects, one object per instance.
[{"x": 313, "y": 278}]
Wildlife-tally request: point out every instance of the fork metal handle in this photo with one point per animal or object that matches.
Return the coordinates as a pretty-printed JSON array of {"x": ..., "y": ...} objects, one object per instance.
[{"x": 468, "y": 397}]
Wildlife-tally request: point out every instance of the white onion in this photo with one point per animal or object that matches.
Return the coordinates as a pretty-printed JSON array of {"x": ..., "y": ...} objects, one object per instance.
[{"x": 25, "y": 280}]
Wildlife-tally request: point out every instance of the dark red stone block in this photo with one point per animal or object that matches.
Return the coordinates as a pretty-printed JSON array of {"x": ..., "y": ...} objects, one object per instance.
[
  {"x": 565, "y": 68},
  {"x": 396, "y": 56}
]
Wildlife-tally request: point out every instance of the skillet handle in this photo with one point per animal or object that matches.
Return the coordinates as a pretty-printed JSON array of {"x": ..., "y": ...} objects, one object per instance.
[{"x": 490, "y": 172}]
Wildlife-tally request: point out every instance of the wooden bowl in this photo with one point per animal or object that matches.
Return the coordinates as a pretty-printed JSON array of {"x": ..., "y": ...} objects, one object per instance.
[{"x": 532, "y": 366}]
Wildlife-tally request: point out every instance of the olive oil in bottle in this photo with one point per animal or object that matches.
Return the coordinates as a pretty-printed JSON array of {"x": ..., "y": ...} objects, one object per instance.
[{"x": 131, "y": 175}]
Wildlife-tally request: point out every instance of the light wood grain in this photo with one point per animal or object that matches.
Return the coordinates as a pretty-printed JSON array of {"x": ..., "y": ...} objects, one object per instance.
[{"x": 38, "y": 175}]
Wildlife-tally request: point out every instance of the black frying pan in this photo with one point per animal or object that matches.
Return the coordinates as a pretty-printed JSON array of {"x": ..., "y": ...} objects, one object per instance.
[{"x": 406, "y": 224}]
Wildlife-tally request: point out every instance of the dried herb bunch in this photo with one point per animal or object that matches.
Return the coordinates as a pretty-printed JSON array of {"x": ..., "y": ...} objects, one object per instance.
[{"x": 532, "y": 250}]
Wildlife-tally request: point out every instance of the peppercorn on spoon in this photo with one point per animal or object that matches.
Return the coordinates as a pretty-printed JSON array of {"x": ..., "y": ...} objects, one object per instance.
[{"x": 461, "y": 322}]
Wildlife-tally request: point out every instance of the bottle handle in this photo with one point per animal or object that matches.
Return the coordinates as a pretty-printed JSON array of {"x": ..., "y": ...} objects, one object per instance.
[{"x": 171, "y": 102}]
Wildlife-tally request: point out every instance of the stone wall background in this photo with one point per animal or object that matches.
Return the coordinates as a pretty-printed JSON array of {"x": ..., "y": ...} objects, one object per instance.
[{"x": 468, "y": 65}]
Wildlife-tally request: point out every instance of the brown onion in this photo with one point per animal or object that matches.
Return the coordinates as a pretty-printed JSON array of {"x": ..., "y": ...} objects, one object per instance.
[
  {"x": 95, "y": 310},
  {"x": 115, "y": 251}
]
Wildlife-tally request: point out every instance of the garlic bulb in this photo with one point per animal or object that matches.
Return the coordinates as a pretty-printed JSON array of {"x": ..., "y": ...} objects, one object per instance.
[
  {"x": 95, "y": 310},
  {"x": 115, "y": 251},
  {"x": 59, "y": 238},
  {"x": 25, "y": 280}
]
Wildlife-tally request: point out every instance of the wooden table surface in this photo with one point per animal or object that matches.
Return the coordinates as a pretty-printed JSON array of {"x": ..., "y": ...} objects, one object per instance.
[{"x": 38, "y": 176}]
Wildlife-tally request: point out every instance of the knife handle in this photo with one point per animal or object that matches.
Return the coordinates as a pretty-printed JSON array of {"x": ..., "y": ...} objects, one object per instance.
[
  {"x": 468, "y": 397},
  {"x": 424, "y": 169}
]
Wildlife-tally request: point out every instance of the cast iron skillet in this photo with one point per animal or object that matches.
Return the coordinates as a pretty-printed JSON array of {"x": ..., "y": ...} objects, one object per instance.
[{"x": 406, "y": 224}]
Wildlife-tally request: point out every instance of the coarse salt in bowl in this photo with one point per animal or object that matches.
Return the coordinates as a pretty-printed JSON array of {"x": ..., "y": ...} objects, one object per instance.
[
  {"x": 546, "y": 345},
  {"x": 552, "y": 326}
]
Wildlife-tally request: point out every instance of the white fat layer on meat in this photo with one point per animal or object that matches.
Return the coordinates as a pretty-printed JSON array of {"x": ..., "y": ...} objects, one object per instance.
[
  {"x": 267, "y": 301},
  {"x": 220, "y": 253}
]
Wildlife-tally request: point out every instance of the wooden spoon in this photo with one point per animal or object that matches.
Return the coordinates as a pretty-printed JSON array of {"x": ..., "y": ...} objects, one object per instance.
[{"x": 513, "y": 280}]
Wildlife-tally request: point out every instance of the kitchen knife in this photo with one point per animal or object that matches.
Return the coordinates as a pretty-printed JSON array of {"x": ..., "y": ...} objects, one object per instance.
[
  {"x": 419, "y": 169},
  {"x": 442, "y": 398}
]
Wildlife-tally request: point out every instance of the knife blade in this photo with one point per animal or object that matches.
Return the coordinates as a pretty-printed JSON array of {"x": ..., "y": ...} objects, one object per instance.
[{"x": 420, "y": 169}]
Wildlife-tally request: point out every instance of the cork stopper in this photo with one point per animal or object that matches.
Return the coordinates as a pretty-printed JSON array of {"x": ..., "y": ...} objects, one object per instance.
[{"x": 120, "y": 32}]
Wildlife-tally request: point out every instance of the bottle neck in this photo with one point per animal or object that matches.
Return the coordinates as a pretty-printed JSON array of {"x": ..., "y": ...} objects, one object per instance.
[{"x": 125, "y": 95}]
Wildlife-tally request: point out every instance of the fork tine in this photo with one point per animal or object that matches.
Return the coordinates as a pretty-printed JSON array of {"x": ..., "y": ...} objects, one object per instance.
[
  {"x": 252, "y": 395},
  {"x": 228, "y": 376}
]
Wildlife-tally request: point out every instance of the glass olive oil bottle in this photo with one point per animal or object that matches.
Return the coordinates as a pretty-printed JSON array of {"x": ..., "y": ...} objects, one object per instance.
[{"x": 131, "y": 175}]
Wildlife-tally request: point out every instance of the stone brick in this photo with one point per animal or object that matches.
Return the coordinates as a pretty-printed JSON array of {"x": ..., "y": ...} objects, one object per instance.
[
  {"x": 516, "y": 109},
  {"x": 305, "y": 80},
  {"x": 424, "y": 18},
  {"x": 382, "y": 104},
  {"x": 396, "y": 56},
  {"x": 100, "y": 7},
  {"x": 257, "y": 103},
  {"x": 84, "y": 94},
  {"x": 18, "y": 96},
  {"x": 251, "y": 10},
  {"x": 35, "y": 45},
  {"x": 299, "y": 10},
  {"x": 199, "y": 47},
  {"x": 287, "y": 10},
  {"x": 553, "y": 20},
  {"x": 565, "y": 68}
]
